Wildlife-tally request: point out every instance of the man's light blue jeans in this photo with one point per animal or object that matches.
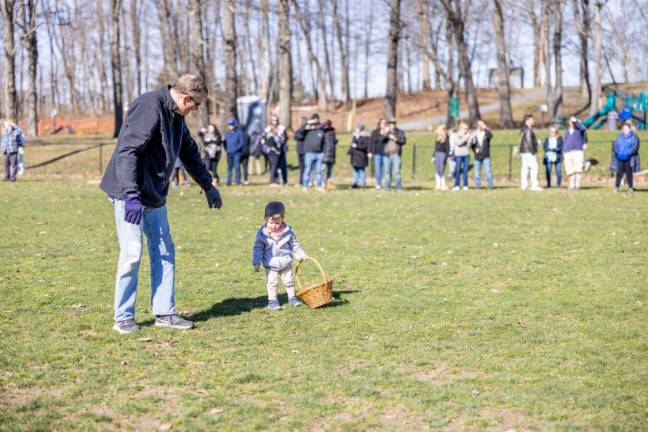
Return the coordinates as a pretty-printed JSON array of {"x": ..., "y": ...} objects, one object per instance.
[
  {"x": 155, "y": 226},
  {"x": 312, "y": 161},
  {"x": 486, "y": 163},
  {"x": 392, "y": 166}
]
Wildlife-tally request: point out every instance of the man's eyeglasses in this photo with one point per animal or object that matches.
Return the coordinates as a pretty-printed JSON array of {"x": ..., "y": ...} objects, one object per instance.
[{"x": 196, "y": 104}]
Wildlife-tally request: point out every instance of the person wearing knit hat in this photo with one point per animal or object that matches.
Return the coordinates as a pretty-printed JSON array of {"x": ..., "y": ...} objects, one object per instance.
[{"x": 275, "y": 246}]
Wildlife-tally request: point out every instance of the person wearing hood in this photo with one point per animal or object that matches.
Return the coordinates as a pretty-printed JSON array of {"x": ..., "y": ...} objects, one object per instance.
[
  {"x": 11, "y": 142},
  {"x": 330, "y": 143},
  {"x": 234, "y": 145},
  {"x": 528, "y": 149},
  {"x": 626, "y": 145},
  {"x": 359, "y": 156}
]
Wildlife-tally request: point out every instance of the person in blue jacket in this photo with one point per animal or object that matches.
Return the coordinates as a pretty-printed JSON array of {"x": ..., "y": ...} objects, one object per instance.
[
  {"x": 137, "y": 181},
  {"x": 10, "y": 143},
  {"x": 553, "y": 157},
  {"x": 234, "y": 145},
  {"x": 626, "y": 146}
]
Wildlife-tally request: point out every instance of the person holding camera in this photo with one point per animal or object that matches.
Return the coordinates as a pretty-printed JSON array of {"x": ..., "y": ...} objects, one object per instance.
[
  {"x": 212, "y": 144},
  {"x": 313, "y": 137},
  {"x": 575, "y": 144},
  {"x": 275, "y": 141},
  {"x": 393, "y": 150}
]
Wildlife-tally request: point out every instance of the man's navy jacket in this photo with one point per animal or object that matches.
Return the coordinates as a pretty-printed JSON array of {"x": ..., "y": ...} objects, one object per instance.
[{"x": 149, "y": 143}]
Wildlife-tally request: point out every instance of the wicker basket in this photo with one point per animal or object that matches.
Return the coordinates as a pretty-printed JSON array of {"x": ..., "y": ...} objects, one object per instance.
[{"x": 316, "y": 295}]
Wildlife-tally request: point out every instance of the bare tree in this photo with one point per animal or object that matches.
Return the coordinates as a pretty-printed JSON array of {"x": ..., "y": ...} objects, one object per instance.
[
  {"x": 137, "y": 46},
  {"x": 455, "y": 16},
  {"x": 327, "y": 58},
  {"x": 8, "y": 21},
  {"x": 583, "y": 27},
  {"x": 285, "y": 65},
  {"x": 367, "y": 50},
  {"x": 231, "y": 79},
  {"x": 553, "y": 16},
  {"x": 597, "y": 36},
  {"x": 392, "y": 59},
  {"x": 424, "y": 37},
  {"x": 115, "y": 57},
  {"x": 504, "y": 86},
  {"x": 321, "y": 93},
  {"x": 344, "y": 61},
  {"x": 198, "y": 56},
  {"x": 31, "y": 38}
]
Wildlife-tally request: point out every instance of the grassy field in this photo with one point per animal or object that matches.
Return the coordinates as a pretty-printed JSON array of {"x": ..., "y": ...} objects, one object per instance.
[{"x": 479, "y": 310}]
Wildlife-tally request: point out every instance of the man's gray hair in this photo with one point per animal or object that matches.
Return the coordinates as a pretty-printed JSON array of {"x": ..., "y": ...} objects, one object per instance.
[{"x": 191, "y": 85}]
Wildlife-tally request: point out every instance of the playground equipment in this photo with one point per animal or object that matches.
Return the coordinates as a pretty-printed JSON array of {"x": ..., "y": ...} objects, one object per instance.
[{"x": 635, "y": 107}]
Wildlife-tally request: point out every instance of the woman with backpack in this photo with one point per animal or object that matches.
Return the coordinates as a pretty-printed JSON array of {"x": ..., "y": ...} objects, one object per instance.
[{"x": 626, "y": 146}]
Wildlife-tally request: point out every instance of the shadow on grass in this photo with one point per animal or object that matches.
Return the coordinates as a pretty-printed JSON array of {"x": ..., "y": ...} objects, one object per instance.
[{"x": 237, "y": 306}]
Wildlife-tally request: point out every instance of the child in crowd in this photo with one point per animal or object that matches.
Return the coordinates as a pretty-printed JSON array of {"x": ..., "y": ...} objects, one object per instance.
[
  {"x": 625, "y": 147},
  {"x": 275, "y": 246}
]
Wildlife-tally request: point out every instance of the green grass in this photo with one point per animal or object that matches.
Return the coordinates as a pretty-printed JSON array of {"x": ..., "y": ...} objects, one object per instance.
[{"x": 478, "y": 310}]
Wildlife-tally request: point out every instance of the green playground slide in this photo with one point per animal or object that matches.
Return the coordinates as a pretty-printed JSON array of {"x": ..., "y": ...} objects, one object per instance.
[{"x": 610, "y": 105}]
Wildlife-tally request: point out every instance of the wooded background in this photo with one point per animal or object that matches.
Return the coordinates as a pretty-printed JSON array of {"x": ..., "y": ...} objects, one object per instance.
[{"x": 92, "y": 58}]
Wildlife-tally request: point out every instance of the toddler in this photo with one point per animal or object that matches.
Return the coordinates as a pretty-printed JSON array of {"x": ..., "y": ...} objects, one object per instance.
[{"x": 274, "y": 248}]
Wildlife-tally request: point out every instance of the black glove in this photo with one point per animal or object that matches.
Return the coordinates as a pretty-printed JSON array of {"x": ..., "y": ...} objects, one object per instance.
[{"x": 213, "y": 198}]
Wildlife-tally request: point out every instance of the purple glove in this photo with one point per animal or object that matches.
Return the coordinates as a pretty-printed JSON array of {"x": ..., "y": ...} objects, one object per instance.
[
  {"x": 213, "y": 198},
  {"x": 134, "y": 209}
]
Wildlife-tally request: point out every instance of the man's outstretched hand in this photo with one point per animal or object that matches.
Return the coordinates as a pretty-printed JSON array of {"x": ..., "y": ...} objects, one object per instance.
[{"x": 213, "y": 198}]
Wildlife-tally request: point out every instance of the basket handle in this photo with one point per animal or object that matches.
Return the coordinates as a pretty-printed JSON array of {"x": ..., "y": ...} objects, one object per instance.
[{"x": 299, "y": 265}]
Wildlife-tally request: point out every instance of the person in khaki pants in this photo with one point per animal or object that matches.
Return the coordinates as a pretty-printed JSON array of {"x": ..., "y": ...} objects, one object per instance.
[
  {"x": 575, "y": 144},
  {"x": 528, "y": 150},
  {"x": 274, "y": 247}
]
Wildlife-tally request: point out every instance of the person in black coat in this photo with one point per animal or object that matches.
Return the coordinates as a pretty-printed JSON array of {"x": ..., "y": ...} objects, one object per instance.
[
  {"x": 300, "y": 150},
  {"x": 330, "y": 143},
  {"x": 313, "y": 137},
  {"x": 359, "y": 156},
  {"x": 377, "y": 142},
  {"x": 213, "y": 148},
  {"x": 480, "y": 144}
]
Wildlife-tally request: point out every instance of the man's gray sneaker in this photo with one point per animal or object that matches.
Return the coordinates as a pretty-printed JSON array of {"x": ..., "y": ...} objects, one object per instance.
[
  {"x": 274, "y": 305},
  {"x": 295, "y": 301},
  {"x": 173, "y": 321},
  {"x": 126, "y": 326}
]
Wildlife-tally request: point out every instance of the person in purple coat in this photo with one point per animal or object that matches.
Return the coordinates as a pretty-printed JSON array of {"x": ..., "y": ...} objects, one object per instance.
[{"x": 575, "y": 144}]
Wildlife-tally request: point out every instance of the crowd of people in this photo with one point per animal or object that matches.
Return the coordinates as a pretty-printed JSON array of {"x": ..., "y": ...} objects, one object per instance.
[{"x": 380, "y": 151}]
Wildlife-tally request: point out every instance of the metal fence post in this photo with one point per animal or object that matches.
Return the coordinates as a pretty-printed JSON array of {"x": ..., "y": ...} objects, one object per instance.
[
  {"x": 413, "y": 161},
  {"x": 510, "y": 173}
]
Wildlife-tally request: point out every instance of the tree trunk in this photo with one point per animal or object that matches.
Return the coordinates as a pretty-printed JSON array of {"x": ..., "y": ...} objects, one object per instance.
[
  {"x": 424, "y": 38},
  {"x": 538, "y": 43},
  {"x": 391, "y": 93},
  {"x": 285, "y": 65},
  {"x": 367, "y": 49},
  {"x": 11, "y": 97},
  {"x": 198, "y": 56},
  {"x": 321, "y": 94},
  {"x": 455, "y": 16},
  {"x": 327, "y": 57},
  {"x": 32, "y": 50},
  {"x": 504, "y": 87},
  {"x": 115, "y": 58},
  {"x": 582, "y": 18},
  {"x": 137, "y": 46},
  {"x": 597, "y": 35},
  {"x": 231, "y": 79},
  {"x": 170, "y": 69},
  {"x": 557, "y": 93},
  {"x": 346, "y": 87}
]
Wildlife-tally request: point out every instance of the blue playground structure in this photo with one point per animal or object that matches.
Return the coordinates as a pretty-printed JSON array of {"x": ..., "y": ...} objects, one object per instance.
[{"x": 635, "y": 107}]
